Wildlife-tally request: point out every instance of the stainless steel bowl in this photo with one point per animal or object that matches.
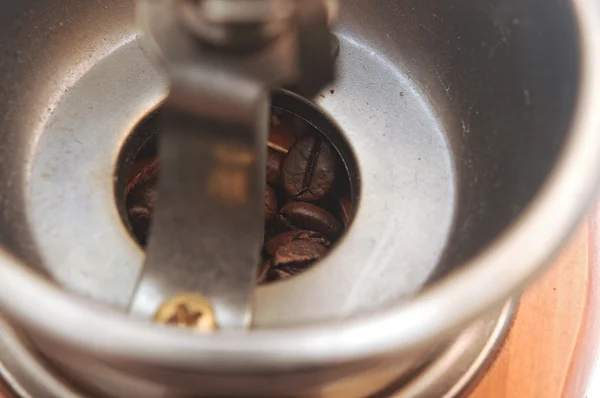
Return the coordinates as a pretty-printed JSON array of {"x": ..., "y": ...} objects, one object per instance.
[{"x": 476, "y": 133}]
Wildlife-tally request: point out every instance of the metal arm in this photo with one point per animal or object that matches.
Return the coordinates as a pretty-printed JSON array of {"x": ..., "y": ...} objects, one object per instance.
[{"x": 223, "y": 57}]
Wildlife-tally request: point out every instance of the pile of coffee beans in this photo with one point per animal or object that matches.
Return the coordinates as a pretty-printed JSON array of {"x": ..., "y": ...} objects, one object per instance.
[{"x": 307, "y": 197}]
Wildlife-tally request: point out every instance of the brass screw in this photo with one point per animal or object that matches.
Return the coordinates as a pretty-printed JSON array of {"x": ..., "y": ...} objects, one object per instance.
[{"x": 190, "y": 311}]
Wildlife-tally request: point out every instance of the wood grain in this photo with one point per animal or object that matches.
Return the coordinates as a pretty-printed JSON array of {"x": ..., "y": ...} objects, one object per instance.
[{"x": 541, "y": 347}]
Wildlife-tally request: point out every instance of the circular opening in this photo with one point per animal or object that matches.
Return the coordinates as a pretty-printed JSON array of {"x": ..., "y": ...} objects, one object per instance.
[{"x": 312, "y": 185}]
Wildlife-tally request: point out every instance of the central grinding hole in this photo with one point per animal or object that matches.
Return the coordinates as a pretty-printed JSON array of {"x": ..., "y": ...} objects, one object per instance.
[{"x": 311, "y": 193}]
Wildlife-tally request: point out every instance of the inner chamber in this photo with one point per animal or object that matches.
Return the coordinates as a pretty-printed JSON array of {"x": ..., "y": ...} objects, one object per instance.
[
  {"x": 312, "y": 185},
  {"x": 456, "y": 112}
]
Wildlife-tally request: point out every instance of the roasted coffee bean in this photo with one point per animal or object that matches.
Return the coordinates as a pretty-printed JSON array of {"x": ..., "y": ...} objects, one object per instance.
[
  {"x": 141, "y": 202},
  {"x": 270, "y": 204},
  {"x": 142, "y": 172},
  {"x": 282, "y": 135},
  {"x": 275, "y": 121},
  {"x": 308, "y": 169},
  {"x": 141, "y": 227},
  {"x": 142, "y": 199},
  {"x": 276, "y": 115},
  {"x": 274, "y": 160},
  {"x": 287, "y": 237},
  {"x": 263, "y": 272},
  {"x": 301, "y": 168},
  {"x": 297, "y": 256},
  {"x": 302, "y": 215},
  {"x": 275, "y": 275}
]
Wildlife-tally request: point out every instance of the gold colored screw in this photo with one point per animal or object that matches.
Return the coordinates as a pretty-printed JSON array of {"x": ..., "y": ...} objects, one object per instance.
[{"x": 190, "y": 311}]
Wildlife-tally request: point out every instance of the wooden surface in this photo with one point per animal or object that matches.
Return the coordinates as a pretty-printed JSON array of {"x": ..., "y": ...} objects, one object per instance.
[{"x": 542, "y": 344}]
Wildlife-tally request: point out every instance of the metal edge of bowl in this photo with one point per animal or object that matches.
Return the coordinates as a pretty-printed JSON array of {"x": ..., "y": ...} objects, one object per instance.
[{"x": 514, "y": 259}]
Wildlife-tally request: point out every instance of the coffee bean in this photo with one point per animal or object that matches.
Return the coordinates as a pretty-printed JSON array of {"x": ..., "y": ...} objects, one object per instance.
[
  {"x": 140, "y": 225},
  {"x": 270, "y": 204},
  {"x": 141, "y": 202},
  {"x": 143, "y": 198},
  {"x": 301, "y": 168},
  {"x": 275, "y": 121},
  {"x": 142, "y": 172},
  {"x": 263, "y": 272},
  {"x": 308, "y": 170},
  {"x": 283, "y": 135},
  {"x": 275, "y": 275},
  {"x": 287, "y": 237},
  {"x": 302, "y": 215},
  {"x": 297, "y": 256},
  {"x": 274, "y": 160}
]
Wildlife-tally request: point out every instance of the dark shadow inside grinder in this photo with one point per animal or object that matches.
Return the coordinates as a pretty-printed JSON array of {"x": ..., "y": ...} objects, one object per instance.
[{"x": 311, "y": 192}]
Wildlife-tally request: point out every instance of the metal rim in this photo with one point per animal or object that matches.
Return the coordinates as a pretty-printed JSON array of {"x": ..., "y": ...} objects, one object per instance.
[
  {"x": 461, "y": 365},
  {"x": 456, "y": 368},
  {"x": 534, "y": 238}
]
